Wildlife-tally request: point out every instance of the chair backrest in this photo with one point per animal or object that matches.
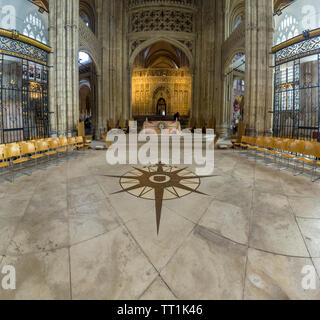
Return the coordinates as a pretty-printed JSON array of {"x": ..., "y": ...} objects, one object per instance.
[
  {"x": 79, "y": 139},
  {"x": 63, "y": 142},
  {"x": 244, "y": 139},
  {"x": 260, "y": 142},
  {"x": 112, "y": 124},
  {"x": 309, "y": 149},
  {"x": 122, "y": 123},
  {"x": 191, "y": 123},
  {"x": 285, "y": 144},
  {"x": 200, "y": 124},
  {"x": 42, "y": 146},
  {"x": 296, "y": 146},
  {"x": 72, "y": 141},
  {"x": 252, "y": 140},
  {"x": 13, "y": 150},
  {"x": 241, "y": 129},
  {"x": 32, "y": 141},
  {"x": 278, "y": 142},
  {"x": 317, "y": 149},
  {"x": 53, "y": 144},
  {"x": 81, "y": 129},
  {"x": 210, "y": 124},
  {"x": 27, "y": 148},
  {"x": 269, "y": 142},
  {"x": 2, "y": 152}
]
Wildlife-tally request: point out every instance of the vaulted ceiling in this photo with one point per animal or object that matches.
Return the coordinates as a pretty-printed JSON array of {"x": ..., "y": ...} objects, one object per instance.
[{"x": 162, "y": 55}]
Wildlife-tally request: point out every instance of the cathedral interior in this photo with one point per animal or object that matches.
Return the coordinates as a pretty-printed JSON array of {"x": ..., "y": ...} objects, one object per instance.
[{"x": 80, "y": 79}]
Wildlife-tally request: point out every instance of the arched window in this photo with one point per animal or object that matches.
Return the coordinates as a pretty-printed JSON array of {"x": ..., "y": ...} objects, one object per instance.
[
  {"x": 84, "y": 58},
  {"x": 237, "y": 23},
  {"x": 86, "y": 19},
  {"x": 287, "y": 29},
  {"x": 35, "y": 28},
  {"x": 87, "y": 14}
]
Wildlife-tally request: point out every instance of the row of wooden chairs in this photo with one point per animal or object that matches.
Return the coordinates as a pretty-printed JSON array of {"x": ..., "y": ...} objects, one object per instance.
[
  {"x": 16, "y": 154},
  {"x": 283, "y": 151},
  {"x": 122, "y": 124}
]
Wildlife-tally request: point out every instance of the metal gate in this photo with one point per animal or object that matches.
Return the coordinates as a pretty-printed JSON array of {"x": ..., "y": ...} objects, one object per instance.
[
  {"x": 23, "y": 108},
  {"x": 297, "y": 101}
]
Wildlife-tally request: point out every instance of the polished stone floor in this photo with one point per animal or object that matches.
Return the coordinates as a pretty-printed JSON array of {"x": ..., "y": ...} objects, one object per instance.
[{"x": 250, "y": 237}]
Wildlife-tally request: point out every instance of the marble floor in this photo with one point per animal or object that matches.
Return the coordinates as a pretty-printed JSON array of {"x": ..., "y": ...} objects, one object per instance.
[{"x": 249, "y": 237}]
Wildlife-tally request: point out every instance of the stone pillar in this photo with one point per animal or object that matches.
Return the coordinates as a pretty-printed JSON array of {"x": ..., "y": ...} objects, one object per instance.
[
  {"x": 99, "y": 96},
  {"x": 226, "y": 111},
  {"x": 259, "y": 80},
  {"x": 75, "y": 66},
  {"x": 114, "y": 62},
  {"x": 218, "y": 73},
  {"x": 52, "y": 70},
  {"x": 64, "y": 75}
]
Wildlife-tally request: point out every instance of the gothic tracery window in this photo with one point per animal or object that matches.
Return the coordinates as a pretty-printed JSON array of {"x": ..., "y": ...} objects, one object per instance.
[
  {"x": 35, "y": 28},
  {"x": 287, "y": 29}
]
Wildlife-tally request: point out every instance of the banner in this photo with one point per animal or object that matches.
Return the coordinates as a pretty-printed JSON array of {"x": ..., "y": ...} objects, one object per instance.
[{"x": 24, "y": 17}]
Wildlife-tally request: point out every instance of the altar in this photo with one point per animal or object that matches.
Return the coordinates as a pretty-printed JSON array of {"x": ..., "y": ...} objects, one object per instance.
[{"x": 161, "y": 127}]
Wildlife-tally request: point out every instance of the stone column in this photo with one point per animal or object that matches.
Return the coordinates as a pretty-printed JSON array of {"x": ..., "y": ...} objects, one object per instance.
[
  {"x": 64, "y": 75},
  {"x": 75, "y": 66},
  {"x": 259, "y": 81},
  {"x": 226, "y": 112},
  {"x": 52, "y": 70},
  {"x": 218, "y": 111},
  {"x": 99, "y": 123}
]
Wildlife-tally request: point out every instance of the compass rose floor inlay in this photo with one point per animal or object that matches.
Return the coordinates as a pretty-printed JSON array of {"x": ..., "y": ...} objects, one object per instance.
[
  {"x": 160, "y": 182},
  {"x": 72, "y": 232}
]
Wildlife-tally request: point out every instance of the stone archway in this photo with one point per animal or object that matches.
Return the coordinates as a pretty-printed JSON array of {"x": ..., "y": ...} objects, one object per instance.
[
  {"x": 146, "y": 43},
  {"x": 88, "y": 92},
  {"x": 149, "y": 76},
  {"x": 161, "y": 93},
  {"x": 234, "y": 72}
]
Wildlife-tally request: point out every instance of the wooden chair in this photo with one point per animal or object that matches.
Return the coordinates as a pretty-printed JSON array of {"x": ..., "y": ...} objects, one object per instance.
[
  {"x": 236, "y": 140},
  {"x": 191, "y": 124},
  {"x": 111, "y": 124},
  {"x": 80, "y": 143},
  {"x": 16, "y": 159},
  {"x": 200, "y": 124},
  {"x": 211, "y": 124},
  {"x": 123, "y": 125},
  {"x": 87, "y": 141},
  {"x": 317, "y": 162},
  {"x": 104, "y": 137}
]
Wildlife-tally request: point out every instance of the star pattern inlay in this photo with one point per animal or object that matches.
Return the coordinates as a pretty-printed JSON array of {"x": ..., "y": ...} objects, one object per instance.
[{"x": 159, "y": 182}]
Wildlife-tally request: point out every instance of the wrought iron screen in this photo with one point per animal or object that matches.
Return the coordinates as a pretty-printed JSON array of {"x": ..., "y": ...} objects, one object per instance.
[
  {"x": 23, "y": 101},
  {"x": 297, "y": 99}
]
